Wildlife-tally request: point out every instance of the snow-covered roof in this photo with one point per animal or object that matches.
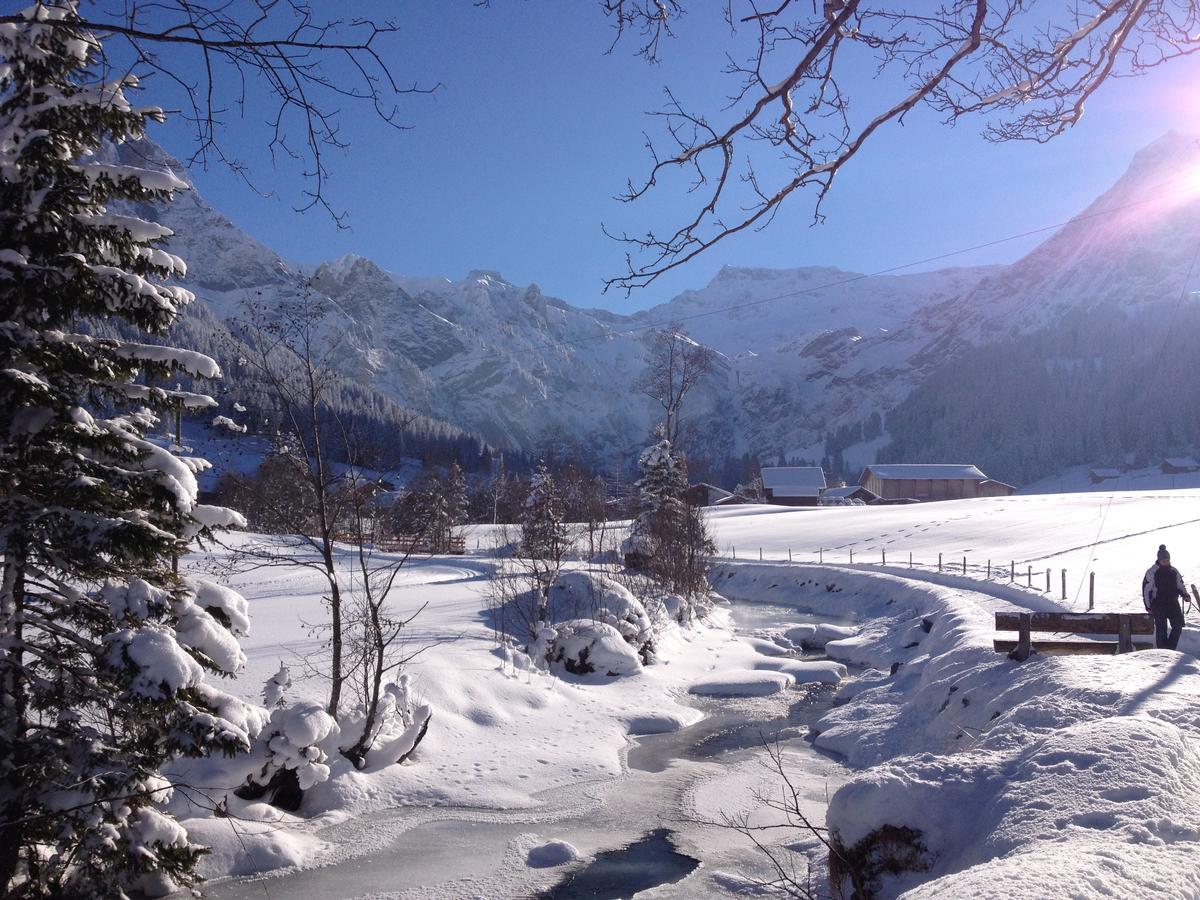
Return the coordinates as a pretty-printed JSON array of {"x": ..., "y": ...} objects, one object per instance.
[
  {"x": 794, "y": 481},
  {"x": 713, "y": 490},
  {"x": 924, "y": 472},
  {"x": 1105, "y": 473},
  {"x": 1182, "y": 462},
  {"x": 848, "y": 491}
]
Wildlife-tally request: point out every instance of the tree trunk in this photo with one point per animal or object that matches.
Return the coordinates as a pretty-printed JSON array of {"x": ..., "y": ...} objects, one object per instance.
[{"x": 12, "y": 686}]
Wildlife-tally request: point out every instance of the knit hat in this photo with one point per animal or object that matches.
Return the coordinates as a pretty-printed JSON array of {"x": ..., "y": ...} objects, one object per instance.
[{"x": 1162, "y": 553}]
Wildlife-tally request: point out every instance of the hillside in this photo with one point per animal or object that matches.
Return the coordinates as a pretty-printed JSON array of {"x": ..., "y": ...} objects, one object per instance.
[{"x": 956, "y": 362}]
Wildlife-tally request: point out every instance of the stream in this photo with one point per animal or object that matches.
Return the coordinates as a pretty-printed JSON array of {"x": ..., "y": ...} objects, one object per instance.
[{"x": 634, "y": 831}]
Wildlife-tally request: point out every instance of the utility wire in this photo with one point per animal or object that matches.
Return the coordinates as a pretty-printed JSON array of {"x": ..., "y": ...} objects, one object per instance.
[{"x": 839, "y": 282}]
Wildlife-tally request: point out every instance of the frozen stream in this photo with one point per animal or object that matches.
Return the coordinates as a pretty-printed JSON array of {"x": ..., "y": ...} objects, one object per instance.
[{"x": 641, "y": 828}]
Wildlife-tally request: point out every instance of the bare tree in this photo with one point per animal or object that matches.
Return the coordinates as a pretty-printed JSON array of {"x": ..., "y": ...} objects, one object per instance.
[
  {"x": 1026, "y": 69},
  {"x": 221, "y": 58},
  {"x": 674, "y": 365},
  {"x": 518, "y": 597},
  {"x": 292, "y": 355},
  {"x": 376, "y": 648}
]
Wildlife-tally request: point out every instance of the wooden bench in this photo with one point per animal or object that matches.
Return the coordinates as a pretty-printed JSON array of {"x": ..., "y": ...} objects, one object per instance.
[{"x": 1123, "y": 625}]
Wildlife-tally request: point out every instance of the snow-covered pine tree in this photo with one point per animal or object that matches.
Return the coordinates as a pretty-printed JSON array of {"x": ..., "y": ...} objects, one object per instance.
[
  {"x": 457, "y": 496},
  {"x": 664, "y": 475},
  {"x": 543, "y": 533},
  {"x": 668, "y": 540},
  {"x": 103, "y": 650},
  {"x": 545, "y": 542}
]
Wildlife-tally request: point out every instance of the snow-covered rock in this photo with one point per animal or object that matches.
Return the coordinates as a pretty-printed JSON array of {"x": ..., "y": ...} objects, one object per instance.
[
  {"x": 582, "y": 647},
  {"x": 550, "y": 854},
  {"x": 742, "y": 683}
]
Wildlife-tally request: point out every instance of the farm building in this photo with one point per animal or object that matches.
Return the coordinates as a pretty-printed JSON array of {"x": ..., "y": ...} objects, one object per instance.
[
  {"x": 705, "y": 494},
  {"x": 931, "y": 482},
  {"x": 1179, "y": 465},
  {"x": 838, "y": 495},
  {"x": 1096, "y": 476},
  {"x": 793, "y": 485}
]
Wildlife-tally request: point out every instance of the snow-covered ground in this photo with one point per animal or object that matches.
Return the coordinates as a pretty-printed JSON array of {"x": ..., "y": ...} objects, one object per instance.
[{"x": 1071, "y": 775}]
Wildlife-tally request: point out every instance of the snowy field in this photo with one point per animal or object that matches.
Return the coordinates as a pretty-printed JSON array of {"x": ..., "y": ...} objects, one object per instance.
[{"x": 1071, "y": 775}]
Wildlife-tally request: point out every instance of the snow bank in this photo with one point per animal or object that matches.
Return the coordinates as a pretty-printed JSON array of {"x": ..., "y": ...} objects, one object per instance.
[
  {"x": 1063, "y": 774},
  {"x": 806, "y": 671},
  {"x": 742, "y": 683}
]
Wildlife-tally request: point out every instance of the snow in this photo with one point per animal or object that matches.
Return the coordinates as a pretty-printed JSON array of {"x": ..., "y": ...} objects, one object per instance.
[
  {"x": 584, "y": 646},
  {"x": 744, "y": 683},
  {"x": 161, "y": 665},
  {"x": 1058, "y": 770},
  {"x": 552, "y": 853}
]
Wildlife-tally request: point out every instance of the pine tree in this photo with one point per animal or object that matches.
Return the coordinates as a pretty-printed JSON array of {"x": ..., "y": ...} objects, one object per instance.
[
  {"x": 664, "y": 475},
  {"x": 104, "y": 649},
  {"x": 668, "y": 540},
  {"x": 543, "y": 532}
]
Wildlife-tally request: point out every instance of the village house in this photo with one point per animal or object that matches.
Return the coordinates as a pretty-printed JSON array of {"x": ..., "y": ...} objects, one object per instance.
[
  {"x": 1179, "y": 465},
  {"x": 837, "y": 496},
  {"x": 705, "y": 494},
  {"x": 896, "y": 481},
  {"x": 793, "y": 485}
]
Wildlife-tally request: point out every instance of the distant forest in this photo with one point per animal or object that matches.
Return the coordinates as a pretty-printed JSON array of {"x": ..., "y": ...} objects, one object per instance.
[
  {"x": 1103, "y": 386},
  {"x": 388, "y": 433}
]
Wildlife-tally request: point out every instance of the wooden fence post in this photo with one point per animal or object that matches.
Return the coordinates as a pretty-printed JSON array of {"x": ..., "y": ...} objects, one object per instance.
[
  {"x": 883, "y": 553},
  {"x": 1047, "y": 581},
  {"x": 1012, "y": 571},
  {"x": 851, "y": 556},
  {"x": 910, "y": 559},
  {"x": 760, "y": 554},
  {"x": 821, "y": 555},
  {"x": 964, "y": 565},
  {"x": 1091, "y": 591},
  {"x": 1064, "y": 584},
  {"x": 1124, "y": 635},
  {"x": 789, "y": 554},
  {"x": 939, "y": 562},
  {"x": 734, "y": 549},
  {"x": 989, "y": 570},
  {"x": 1029, "y": 573}
]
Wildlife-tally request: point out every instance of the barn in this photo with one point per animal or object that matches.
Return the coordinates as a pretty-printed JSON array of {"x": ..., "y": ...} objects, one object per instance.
[
  {"x": 793, "y": 485},
  {"x": 931, "y": 482},
  {"x": 838, "y": 496}
]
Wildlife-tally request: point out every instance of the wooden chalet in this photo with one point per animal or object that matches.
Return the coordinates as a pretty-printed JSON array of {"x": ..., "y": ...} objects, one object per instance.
[
  {"x": 835, "y": 496},
  {"x": 705, "y": 494},
  {"x": 1179, "y": 465},
  {"x": 793, "y": 485},
  {"x": 905, "y": 481}
]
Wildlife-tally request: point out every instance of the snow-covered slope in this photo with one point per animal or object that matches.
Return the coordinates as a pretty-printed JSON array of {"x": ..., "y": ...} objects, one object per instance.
[{"x": 806, "y": 351}]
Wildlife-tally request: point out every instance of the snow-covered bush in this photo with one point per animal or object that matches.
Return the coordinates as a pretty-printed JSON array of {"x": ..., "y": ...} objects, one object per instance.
[
  {"x": 582, "y": 647},
  {"x": 399, "y": 725},
  {"x": 291, "y": 754},
  {"x": 589, "y": 595}
]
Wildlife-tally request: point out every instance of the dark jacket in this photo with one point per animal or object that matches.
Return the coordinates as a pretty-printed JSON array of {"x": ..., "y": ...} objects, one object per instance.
[{"x": 1162, "y": 583}]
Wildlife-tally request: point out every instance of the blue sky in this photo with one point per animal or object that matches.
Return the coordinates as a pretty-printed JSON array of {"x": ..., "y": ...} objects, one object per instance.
[{"x": 514, "y": 164}]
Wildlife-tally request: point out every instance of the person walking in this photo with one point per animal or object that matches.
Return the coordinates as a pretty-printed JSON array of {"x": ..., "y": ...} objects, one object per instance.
[{"x": 1162, "y": 589}]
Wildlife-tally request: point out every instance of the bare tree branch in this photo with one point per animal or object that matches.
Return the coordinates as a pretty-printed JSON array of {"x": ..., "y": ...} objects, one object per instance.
[
  {"x": 1026, "y": 71},
  {"x": 220, "y": 55}
]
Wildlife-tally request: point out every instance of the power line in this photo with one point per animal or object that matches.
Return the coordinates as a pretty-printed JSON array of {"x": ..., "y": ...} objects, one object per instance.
[{"x": 840, "y": 282}]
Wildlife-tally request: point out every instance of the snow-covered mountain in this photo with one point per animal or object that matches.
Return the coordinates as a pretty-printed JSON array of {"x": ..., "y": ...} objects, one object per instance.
[{"x": 806, "y": 351}]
